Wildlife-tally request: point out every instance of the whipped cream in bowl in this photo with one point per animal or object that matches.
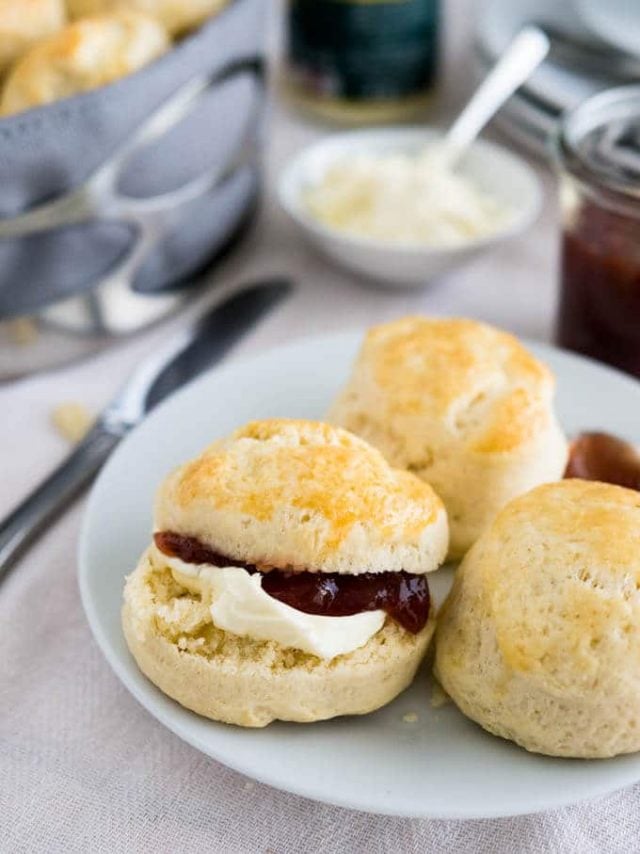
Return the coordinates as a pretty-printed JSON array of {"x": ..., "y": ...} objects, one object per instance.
[{"x": 387, "y": 204}]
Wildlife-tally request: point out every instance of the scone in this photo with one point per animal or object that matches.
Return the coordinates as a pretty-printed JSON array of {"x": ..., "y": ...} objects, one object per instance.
[
  {"x": 23, "y": 23},
  {"x": 286, "y": 579},
  {"x": 83, "y": 56},
  {"x": 539, "y": 640},
  {"x": 177, "y": 16},
  {"x": 462, "y": 405}
]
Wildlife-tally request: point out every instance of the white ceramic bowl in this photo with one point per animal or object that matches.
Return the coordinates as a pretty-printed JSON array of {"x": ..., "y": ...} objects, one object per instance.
[{"x": 492, "y": 167}]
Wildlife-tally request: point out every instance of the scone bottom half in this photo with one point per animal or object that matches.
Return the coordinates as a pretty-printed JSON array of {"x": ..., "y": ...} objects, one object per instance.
[{"x": 287, "y": 577}]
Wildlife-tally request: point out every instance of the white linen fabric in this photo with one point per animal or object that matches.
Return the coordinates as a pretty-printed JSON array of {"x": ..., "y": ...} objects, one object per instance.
[{"x": 83, "y": 768}]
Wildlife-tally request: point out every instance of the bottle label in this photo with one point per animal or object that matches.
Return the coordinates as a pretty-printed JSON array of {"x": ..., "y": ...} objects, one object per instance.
[{"x": 363, "y": 49}]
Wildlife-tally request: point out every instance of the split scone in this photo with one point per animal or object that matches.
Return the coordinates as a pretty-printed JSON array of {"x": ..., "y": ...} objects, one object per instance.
[
  {"x": 177, "y": 16},
  {"x": 539, "y": 640},
  {"x": 462, "y": 405},
  {"x": 287, "y": 577},
  {"x": 82, "y": 56}
]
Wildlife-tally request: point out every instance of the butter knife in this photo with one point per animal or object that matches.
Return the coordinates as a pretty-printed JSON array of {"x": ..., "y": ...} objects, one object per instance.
[{"x": 198, "y": 347}]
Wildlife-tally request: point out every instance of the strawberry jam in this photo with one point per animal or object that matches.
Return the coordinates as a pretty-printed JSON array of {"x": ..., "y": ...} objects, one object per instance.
[
  {"x": 599, "y": 309},
  {"x": 402, "y": 595},
  {"x": 599, "y": 153}
]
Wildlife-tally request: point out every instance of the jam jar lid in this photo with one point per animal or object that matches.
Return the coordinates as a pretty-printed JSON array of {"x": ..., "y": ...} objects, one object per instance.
[{"x": 598, "y": 143}]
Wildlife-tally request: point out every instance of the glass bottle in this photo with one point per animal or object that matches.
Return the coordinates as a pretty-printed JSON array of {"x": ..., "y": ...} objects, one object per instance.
[{"x": 361, "y": 61}]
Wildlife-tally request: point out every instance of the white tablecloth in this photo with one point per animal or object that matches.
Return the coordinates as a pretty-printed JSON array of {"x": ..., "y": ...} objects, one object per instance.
[{"x": 83, "y": 768}]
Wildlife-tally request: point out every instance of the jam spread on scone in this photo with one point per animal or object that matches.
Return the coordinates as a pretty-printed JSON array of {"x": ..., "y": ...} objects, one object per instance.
[
  {"x": 402, "y": 595},
  {"x": 602, "y": 457}
]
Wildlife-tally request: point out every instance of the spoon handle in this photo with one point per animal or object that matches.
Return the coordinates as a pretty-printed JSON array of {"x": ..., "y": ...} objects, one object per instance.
[{"x": 520, "y": 59}]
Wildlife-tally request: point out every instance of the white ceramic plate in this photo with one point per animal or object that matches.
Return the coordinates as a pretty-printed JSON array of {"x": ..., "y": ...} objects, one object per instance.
[{"x": 441, "y": 765}]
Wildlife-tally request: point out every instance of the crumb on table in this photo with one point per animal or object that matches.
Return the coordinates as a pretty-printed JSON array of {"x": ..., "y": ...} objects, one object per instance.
[
  {"x": 72, "y": 421},
  {"x": 21, "y": 331}
]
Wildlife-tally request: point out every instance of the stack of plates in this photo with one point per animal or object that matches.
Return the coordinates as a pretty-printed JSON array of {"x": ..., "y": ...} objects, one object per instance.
[{"x": 579, "y": 64}]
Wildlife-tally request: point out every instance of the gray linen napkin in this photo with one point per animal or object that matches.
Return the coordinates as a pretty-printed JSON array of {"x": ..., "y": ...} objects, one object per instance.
[{"x": 48, "y": 151}]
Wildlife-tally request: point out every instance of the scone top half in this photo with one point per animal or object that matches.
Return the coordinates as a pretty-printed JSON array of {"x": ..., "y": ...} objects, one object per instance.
[
  {"x": 462, "y": 405},
  {"x": 304, "y": 496},
  {"x": 539, "y": 640}
]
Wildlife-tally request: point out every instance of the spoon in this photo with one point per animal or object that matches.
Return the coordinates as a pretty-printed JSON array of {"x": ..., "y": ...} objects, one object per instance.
[{"x": 523, "y": 55}]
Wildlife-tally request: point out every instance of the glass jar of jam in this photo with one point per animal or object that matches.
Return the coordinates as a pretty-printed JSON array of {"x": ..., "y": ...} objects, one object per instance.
[{"x": 598, "y": 148}]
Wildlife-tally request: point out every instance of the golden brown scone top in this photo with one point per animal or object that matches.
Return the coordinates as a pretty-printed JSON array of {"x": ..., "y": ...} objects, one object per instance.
[
  {"x": 312, "y": 466},
  {"x": 177, "y": 16},
  {"x": 25, "y": 22},
  {"x": 479, "y": 378},
  {"x": 561, "y": 568},
  {"x": 305, "y": 493},
  {"x": 84, "y": 55}
]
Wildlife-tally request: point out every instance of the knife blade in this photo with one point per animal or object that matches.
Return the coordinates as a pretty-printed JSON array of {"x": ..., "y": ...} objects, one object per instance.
[{"x": 198, "y": 347}]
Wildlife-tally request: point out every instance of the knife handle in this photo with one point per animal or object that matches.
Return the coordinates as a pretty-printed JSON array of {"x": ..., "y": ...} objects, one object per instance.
[{"x": 30, "y": 517}]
